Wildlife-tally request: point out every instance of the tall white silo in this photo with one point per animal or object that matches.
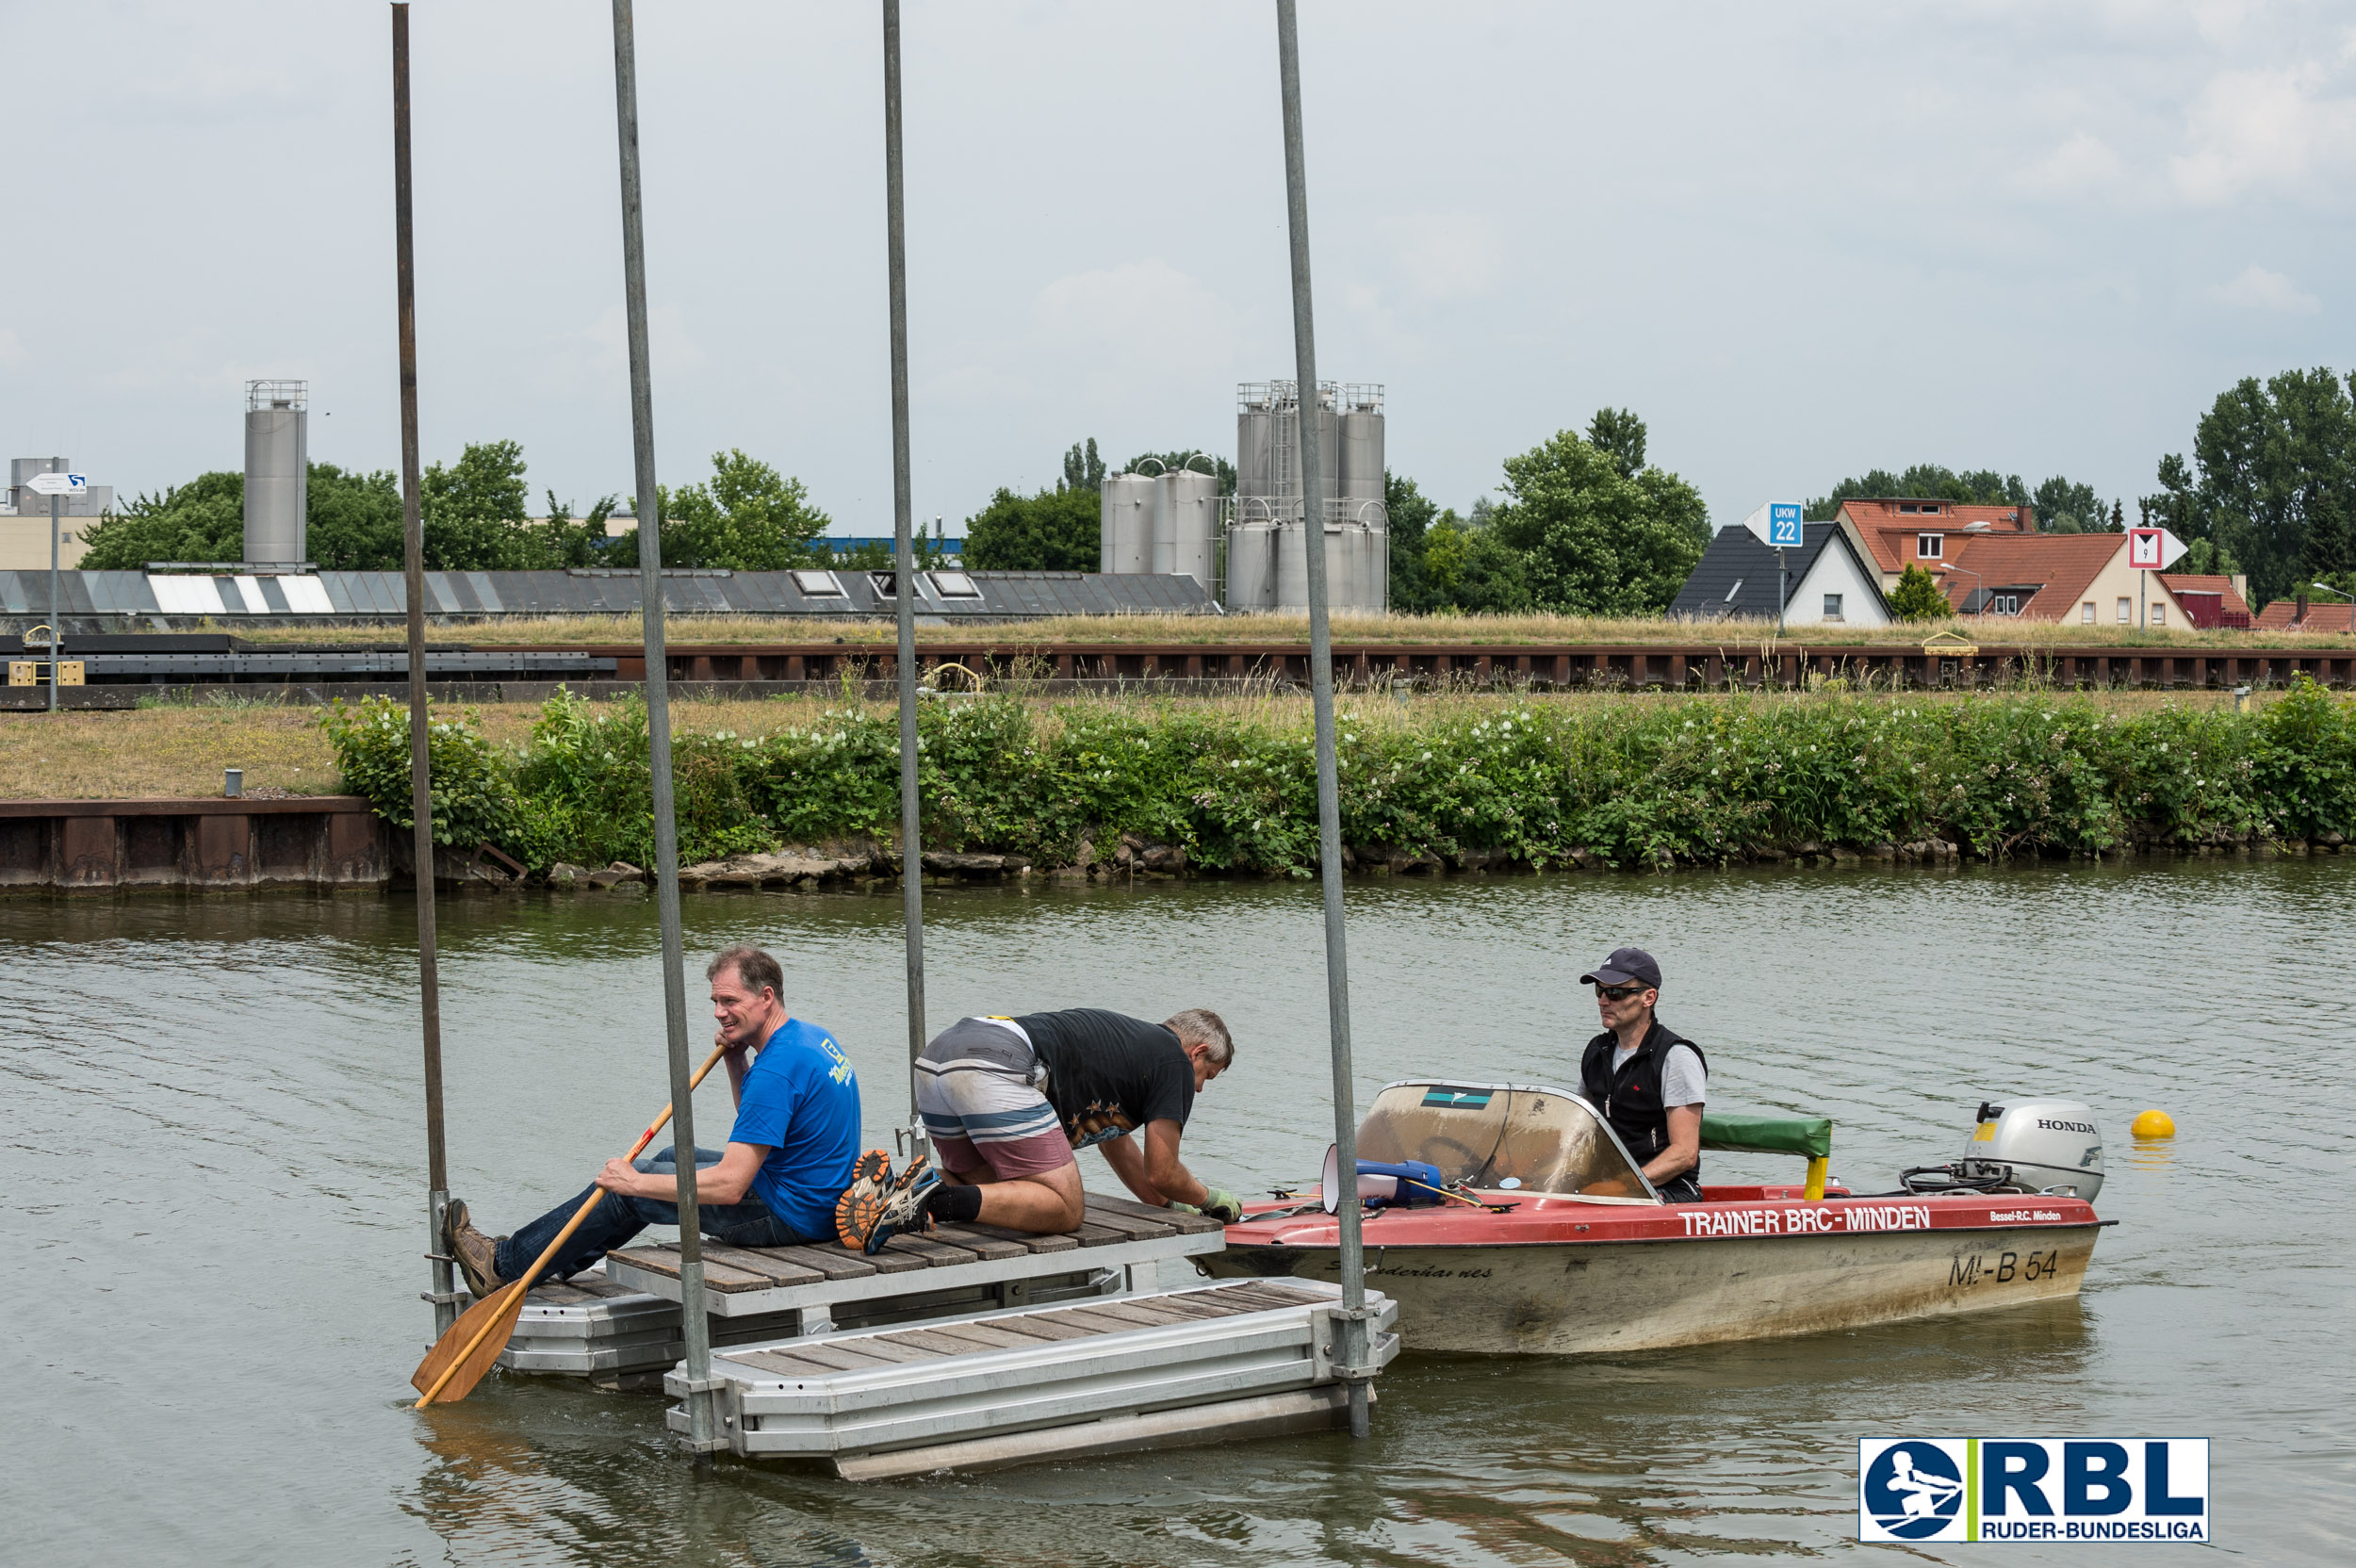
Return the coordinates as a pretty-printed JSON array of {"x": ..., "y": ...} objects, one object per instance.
[
  {"x": 1255, "y": 439},
  {"x": 1292, "y": 569},
  {"x": 1251, "y": 566},
  {"x": 1185, "y": 523},
  {"x": 1126, "y": 520},
  {"x": 277, "y": 469},
  {"x": 1362, "y": 443}
]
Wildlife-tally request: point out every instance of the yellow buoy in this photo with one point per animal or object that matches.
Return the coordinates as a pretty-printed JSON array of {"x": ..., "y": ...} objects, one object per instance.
[{"x": 2154, "y": 1124}]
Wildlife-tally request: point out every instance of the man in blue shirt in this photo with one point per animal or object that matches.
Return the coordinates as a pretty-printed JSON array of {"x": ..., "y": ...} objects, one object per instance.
[{"x": 793, "y": 1152}]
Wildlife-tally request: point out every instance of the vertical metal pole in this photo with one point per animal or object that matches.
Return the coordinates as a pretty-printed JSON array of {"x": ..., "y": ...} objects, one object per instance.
[
  {"x": 701, "y": 1425},
  {"x": 420, "y": 769},
  {"x": 1781, "y": 593},
  {"x": 1353, "y": 1324},
  {"x": 56, "y": 637},
  {"x": 904, "y": 551}
]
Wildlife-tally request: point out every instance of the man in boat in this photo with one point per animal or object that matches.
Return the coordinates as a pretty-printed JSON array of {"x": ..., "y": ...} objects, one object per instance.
[
  {"x": 1008, "y": 1103},
  {"x": 792, "y": 1154},
  {"x": 1647, "y": 1080}
]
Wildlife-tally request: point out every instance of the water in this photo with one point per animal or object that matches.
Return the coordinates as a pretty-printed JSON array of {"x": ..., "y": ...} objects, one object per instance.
[{"x": 215, "y": 1145}]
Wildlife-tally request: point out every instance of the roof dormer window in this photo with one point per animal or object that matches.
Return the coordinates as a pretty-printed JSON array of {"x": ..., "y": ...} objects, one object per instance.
[{"x": 1930, "y": 547}]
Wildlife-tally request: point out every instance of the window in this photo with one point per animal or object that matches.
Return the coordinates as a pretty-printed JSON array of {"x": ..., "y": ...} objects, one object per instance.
[
  {"x": 818, "y": 584},
  {"x": 954, "y": 586},
  {"x": 1930, "y": 547},
  {"x": 1832, "y": 607},
  {"x": 2126, "y": 612},
  {"x": 1731, "y": 592},
  {"x": 2004, "y": 604},
  {"x": 1908, "y": 506},
  {"x": 2086, "y": 613},
  {"x": 2159, "y": 614}
]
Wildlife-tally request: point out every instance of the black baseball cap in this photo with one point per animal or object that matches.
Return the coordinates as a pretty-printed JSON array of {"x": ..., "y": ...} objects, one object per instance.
[{"x": 1625, "y": 964}]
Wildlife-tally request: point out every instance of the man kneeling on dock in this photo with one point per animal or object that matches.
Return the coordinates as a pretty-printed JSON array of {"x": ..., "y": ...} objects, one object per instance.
[
  {"x": 1007, "y": 1103},
  {"x": 790, "y": 1156}
]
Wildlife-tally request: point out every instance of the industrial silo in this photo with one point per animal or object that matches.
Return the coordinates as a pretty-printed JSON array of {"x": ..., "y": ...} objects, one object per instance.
[
  {"x": 1185, "y": 523},
  {"x": 1255, "y": 439},
  {"x": 1362, "y": 443},
  {"x": 1252, "y": 566},
  {"x": 1292, "y": 569},
  {"x": 1125, "y": 542},
  {"x": 277, "y": 469}
]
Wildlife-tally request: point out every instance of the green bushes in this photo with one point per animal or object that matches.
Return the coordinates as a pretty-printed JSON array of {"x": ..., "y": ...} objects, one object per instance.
[{"x": 1709, "y": 780}]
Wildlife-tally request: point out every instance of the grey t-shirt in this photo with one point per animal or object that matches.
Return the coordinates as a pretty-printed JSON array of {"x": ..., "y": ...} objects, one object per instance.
[{"x": 1683, "y": 1081}]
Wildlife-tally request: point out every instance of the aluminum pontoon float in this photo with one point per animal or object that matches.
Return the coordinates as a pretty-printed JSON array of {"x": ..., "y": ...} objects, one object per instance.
[{"x": 969, "y": 1348}]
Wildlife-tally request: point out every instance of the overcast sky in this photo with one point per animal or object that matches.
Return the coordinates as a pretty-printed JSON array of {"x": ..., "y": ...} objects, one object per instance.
[{"x": 1800, "y": 239}]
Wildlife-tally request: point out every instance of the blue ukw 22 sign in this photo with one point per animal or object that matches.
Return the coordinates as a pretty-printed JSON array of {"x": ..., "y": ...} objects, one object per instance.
[{"x": 2145, "y": 1489}]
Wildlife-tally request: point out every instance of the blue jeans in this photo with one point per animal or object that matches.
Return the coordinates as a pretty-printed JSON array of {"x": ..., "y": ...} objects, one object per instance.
[{"x": 615, "y": 1221}]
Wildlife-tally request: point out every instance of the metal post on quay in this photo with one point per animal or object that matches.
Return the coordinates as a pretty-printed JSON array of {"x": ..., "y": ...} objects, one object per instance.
[
  {"x": 1355, "y": 1367},
  {"x": 698, "y": 1387},
  {"x": 444, "y": 1293},
  {"x": 903, "y": 580}
]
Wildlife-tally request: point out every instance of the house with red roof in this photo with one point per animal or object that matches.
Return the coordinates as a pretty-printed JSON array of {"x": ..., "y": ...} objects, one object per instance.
[
  {"x": 2210, "y": 601},
  {"x": 2302, "y": 614},
  {"x": 1899, "y": 533},
  {"x": 1991, "y": 561}
]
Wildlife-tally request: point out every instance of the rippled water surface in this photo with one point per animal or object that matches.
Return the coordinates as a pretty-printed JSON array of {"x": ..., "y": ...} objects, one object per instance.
[{"x": 215, "y": 1156}]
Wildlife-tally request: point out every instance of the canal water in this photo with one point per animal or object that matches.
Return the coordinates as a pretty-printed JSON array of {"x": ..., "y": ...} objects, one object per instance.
[{"x": 214, "y": 1156}]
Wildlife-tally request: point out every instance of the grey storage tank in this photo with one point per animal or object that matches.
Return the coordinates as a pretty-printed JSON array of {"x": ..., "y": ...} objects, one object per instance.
[
  {"x": 1255, "y": 439},
  {"x": 1252, "y": 564},
  {"x": 1362, "y": 443},
  {"x": 1185, "y": 523},
  {"x": 1125, "y": 540},
  {"x": 277, "y": 469}
]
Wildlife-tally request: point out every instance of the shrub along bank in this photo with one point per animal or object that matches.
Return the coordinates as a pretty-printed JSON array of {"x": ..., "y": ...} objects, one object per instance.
[{"x": 1630, "y": 784}]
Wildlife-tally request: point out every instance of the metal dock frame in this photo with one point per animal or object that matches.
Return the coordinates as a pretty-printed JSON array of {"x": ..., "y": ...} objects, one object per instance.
[{"x": 1217, "y": 1362}]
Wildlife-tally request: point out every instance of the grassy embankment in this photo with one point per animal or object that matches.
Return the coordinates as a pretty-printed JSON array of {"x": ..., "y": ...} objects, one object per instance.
[
  {"x": 1497, "y": 779},
  {"x": 1431, "y": 630}
]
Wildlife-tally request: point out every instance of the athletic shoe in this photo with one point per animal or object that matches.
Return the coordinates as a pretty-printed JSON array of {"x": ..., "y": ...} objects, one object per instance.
[
  {"x": 477, "y": 1254},
  {"x": 901, "y": 1208},
  {"x": 871, "y": 1174}
]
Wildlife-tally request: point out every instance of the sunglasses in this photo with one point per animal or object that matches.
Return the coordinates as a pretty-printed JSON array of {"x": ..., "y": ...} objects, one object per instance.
[{"x": 1620, "y": 993}]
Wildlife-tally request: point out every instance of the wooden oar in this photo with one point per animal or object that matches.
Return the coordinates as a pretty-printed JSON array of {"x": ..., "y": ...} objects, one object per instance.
[{"x": 460, "y": 1356}]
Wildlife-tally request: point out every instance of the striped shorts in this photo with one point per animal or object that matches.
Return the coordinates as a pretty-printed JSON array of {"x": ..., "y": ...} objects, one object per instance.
[{"x": 978, "y": 1091}]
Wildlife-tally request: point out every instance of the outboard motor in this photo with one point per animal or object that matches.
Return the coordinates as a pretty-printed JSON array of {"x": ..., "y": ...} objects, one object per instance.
[{"x": 2040, "y": 1146}]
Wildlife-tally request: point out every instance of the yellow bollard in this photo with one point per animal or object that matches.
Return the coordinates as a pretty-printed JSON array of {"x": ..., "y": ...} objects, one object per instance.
[
  {"x": 1816, "y": 1169},
  {"x": 2154, "y": 1124}
]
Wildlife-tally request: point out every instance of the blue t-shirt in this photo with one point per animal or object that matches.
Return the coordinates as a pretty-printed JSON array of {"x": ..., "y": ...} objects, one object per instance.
[{"x": 801, "y": 1102}]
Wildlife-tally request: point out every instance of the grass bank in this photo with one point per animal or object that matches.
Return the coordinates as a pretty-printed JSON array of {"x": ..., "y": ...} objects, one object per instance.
[
  {"x": 1383, "y": 630},
  {"x": 1228, "y": 786}
]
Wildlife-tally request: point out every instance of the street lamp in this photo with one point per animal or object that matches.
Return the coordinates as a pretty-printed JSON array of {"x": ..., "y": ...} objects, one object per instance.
[
  {"x": 2339, "y": 593},
  {"x": 1975, "y": 577}
]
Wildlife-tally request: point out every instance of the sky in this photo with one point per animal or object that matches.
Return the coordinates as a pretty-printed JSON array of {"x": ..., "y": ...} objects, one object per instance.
[{"x": 1801, "y": 240}]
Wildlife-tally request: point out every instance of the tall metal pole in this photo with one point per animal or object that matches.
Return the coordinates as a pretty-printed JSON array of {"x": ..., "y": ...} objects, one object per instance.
[
  {"x": 904, "y": 551},
  {"x": 1353, "y": 1324},
  {"x": 700, "y": 1385},
  {"x": 57, "y": 638},
  {"x": 444, "y": 1295}
]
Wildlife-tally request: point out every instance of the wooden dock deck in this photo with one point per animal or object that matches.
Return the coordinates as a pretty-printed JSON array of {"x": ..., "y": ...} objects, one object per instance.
[{"x": 623, "y": 1328}]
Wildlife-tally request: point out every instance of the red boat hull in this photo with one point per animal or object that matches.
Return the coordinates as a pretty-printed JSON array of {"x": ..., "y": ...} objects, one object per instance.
[{"x": 1563, "y": 1277}]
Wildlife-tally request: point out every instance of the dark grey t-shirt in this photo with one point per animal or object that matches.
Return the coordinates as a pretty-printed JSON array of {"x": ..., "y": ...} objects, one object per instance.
[{"x": 1109, "y": 1074}]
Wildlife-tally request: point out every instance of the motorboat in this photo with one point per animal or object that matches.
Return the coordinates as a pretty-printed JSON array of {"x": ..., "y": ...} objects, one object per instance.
[{"x": 1510, "y": 1220}]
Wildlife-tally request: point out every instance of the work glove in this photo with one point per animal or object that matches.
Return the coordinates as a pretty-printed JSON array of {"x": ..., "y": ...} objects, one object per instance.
[{"x": 1225, "y": 1207}]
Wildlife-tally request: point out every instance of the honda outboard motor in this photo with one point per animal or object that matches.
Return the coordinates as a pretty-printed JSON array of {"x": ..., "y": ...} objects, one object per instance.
[{"x": 2045, "y": 1146}]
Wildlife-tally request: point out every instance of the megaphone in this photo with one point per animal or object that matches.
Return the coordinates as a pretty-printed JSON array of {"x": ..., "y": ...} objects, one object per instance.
[{"x": 1409, "y": 1183}]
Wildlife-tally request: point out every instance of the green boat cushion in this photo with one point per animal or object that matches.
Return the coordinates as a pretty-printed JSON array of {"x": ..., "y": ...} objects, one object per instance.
[{"x": 1811, "y": 1135}]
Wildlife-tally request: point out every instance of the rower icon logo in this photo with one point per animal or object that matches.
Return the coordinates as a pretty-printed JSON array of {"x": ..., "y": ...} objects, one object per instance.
[{"x": 1910, "y": 1489}]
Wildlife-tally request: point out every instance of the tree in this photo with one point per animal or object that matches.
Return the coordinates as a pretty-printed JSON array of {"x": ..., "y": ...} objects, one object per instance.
[
  {"x": 2064, "y": 506},
  {"x": 1473, "y": 569},
  {"x": 1083, "y": 470},
  {"x": 747, "y": 517},
  {"x": 1055, "y": 530},
  {"x": 352, "y": 523},
  {"x": 2208, "y": 558},
  {"x": 1411, "y": 514},
  {"x": 1620, "y": 434},
  {"x": 1918, "y": 596},
  {"x": 473, "y": 510},
  {"x": 2272, "y": 480},
  {"x": 1597, "y": 541},
  {"x": 562, "y": 542}
]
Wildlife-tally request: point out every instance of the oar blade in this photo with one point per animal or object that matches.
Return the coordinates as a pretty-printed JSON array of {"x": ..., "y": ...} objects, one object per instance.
[{"x": 507, "y": 1301}]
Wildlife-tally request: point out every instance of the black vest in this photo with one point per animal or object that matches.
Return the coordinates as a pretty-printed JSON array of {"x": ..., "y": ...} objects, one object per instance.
[{"x": 1630, "y": 1098}]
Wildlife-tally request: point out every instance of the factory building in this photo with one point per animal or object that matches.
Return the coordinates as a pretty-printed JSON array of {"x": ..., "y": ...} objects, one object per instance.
[{"x": 25, "y": 517}]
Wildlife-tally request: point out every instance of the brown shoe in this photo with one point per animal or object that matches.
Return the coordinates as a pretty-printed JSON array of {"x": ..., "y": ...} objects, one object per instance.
[{"x": 477, "y": 1254}]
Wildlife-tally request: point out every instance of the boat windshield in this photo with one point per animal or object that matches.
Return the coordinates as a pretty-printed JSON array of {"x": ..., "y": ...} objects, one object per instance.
[{"x": 1531, "y": 1139}]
